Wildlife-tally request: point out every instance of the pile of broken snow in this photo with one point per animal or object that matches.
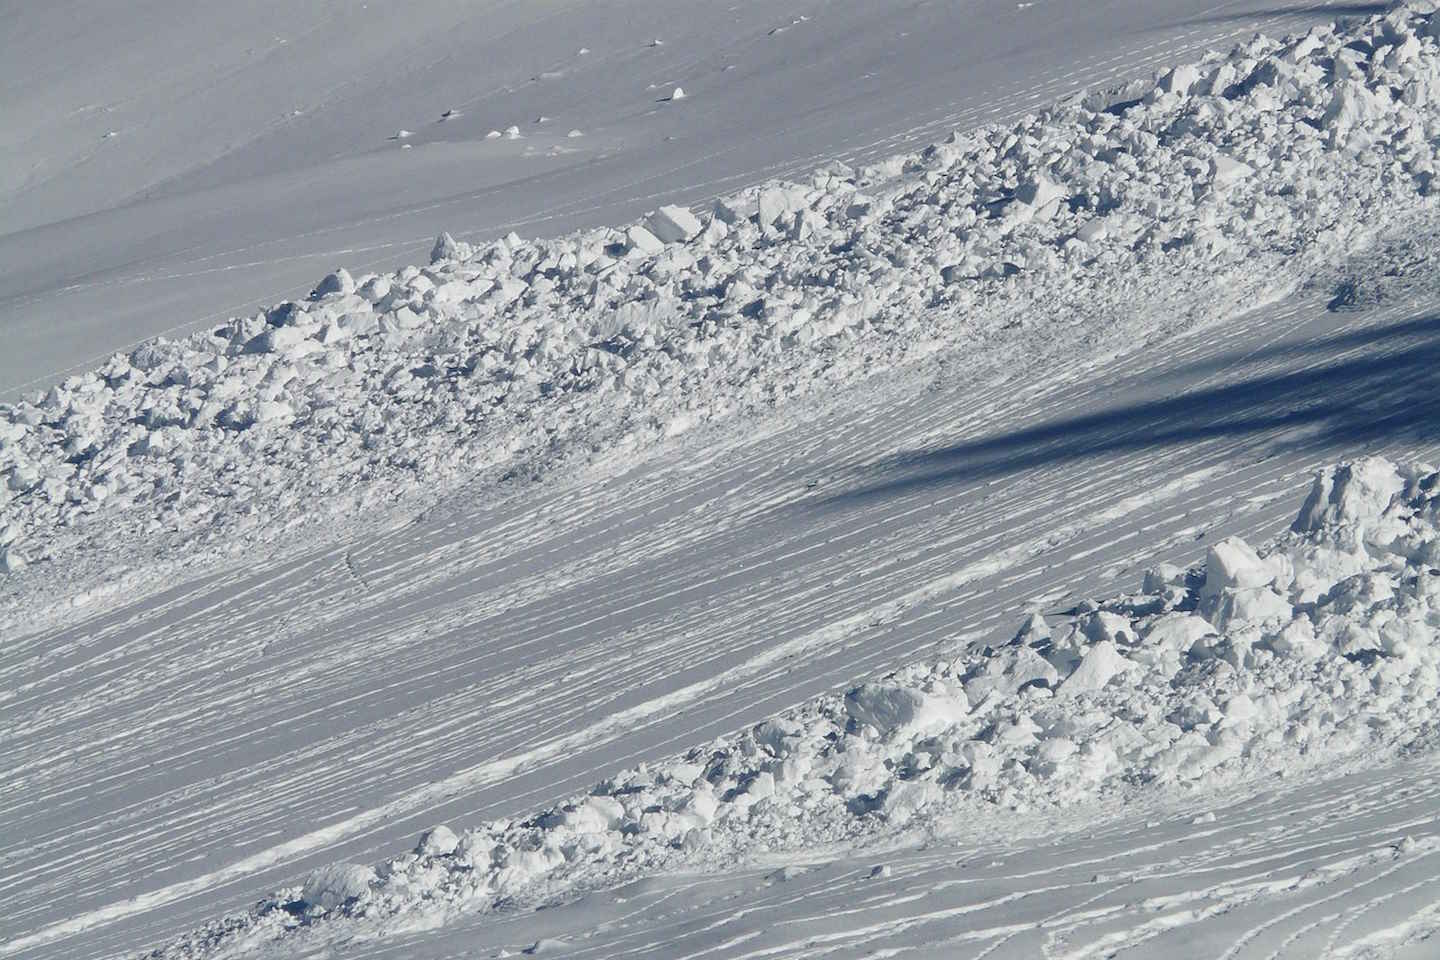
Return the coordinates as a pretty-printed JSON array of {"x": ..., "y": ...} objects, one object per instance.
[
  {"x": 1210, "y": 186},
  {"x": 1318, "y": 646}
]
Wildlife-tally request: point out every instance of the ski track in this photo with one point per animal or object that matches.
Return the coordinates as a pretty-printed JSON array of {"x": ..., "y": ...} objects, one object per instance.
[
  {"x": 485, "y": 660},
  {"x": 492, "y": 657},
  {"x": 1319, "y": 865}
]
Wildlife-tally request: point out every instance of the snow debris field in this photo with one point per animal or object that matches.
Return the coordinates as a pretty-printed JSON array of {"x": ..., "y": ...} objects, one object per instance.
[
  {"x": 1314, "y": 648},
  {"x": 1227, "y": 178},
  {"x": 387, "y": 412}
]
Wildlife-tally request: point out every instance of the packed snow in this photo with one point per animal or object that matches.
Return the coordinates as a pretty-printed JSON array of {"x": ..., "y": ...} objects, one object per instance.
[
  {"x": 1199, "y": 192},
  {"x": 504, "y": 358},
  {"x": 1315, "y": 648}
]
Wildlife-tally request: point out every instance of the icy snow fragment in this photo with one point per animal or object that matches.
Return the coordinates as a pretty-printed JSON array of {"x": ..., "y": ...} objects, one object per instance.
[
  {"x": 1234, "y": 563},
  {"x": 338, "y": 283},
  {"x": 438, "y": 841},
  {"x": 677, "y": 94},
  {"x": 889, "y": 707},
  {"x": 1349, "y": 494},
  {"x": 642, "y": 241},
  {"x": 1093, "y": 231},
  {"x": 1181, "y": 79},
  {"x": 512, "y": 132},
  {"x": 672, "y": 224},
  {"x": 445, "y": 248},
  {"x": 1039, "y": 192},
  {"x": 1100, "y": 663},
  {"x": 1351, "y": 105},
  {"x": 1225, "y": 170},
  {"x": 776, "y": 201},
  {"x": 334, "y": 886}
]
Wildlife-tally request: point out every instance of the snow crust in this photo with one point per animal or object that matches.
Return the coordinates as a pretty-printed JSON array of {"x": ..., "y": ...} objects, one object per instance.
[
  {"x": 1225, "y": 178},
  {"x": 1318, "y": 646}
]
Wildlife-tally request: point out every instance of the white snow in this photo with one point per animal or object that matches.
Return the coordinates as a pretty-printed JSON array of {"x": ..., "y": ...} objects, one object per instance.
[
  {"x": 335, "y": 886},
  {"x": 1204, "y": 701},
  {"x": 496, "y": 354},
  {"x": 214, "y": 196},
  {"x": 378, "y": 396}
]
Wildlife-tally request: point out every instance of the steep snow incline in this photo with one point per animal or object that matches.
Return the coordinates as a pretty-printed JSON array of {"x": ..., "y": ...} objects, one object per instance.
[
  {"x": 1081, "y": 396},
  {"x": 221, "y": 738},
  {"x": 1225, "y": 185},
  {"x": 213, "y": 157},
  {"x": 1323, "y": 647}
]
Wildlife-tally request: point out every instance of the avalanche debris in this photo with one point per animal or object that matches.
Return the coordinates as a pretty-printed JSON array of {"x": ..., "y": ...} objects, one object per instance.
[{"x": 1318, "y": 646}]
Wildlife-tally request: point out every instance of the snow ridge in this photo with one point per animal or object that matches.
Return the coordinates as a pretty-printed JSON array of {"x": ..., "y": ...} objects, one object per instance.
[{"x": 1218, "y": 183}]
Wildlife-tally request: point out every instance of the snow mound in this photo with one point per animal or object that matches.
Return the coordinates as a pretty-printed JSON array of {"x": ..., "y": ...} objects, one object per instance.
[
  {"x": 1321, "y": 645},
  {"x": 336, "y": 885},
  {"x": 1222, "y": 181}
]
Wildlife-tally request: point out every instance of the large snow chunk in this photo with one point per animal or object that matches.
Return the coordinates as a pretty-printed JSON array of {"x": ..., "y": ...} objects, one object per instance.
[
  {"x": 438, "y": 841},
  {"x": 1225, "y": 170},
  {"x": 1039, "y": 192},
  {"x": 339, "y": 283},
  {"x": 891, "y": 706},
  {"x": 1100, "y": 663},
  {"x": 286, "y": 341},
  {"x": 1181, "y": 80},
  {"x": 1351, "y": 493},
  {"x": 1351, "y": 105},
  {"x": 777, "y": 201},
  {"x": 672, "y": 224},
  {"x": 336, "y": 885},
  {"x": 448, "y": 248},
  {"x": 1179, "y": 631},
  {"x": 1263, "y": 605},
  {"x": 642, "y": 241},
  {"x": 1233, "y": 563}
]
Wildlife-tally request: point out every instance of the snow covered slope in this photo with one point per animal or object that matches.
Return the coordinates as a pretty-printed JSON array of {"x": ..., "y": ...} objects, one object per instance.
[
  {"x": 252, "y": 629},
  {"x": 213, "y": 157},
  {"x": 1322, "y": 647}
]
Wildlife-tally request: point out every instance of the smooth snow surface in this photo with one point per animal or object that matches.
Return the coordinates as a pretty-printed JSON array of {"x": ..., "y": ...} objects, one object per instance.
[
  {"x": 212, "y": 157},
  {"x": 689, "y": 555}
]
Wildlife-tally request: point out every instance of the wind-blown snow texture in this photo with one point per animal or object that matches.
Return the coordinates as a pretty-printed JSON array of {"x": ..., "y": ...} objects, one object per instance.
[
  {"x": 1237, "y": 174},
  {"x": 1315, "y": 648}
]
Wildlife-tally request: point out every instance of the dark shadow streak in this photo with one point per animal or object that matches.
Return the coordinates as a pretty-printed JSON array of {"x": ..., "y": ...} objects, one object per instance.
[
  {"x": 1389, "y": 395},
  {"x": 1335, "y": 11}
]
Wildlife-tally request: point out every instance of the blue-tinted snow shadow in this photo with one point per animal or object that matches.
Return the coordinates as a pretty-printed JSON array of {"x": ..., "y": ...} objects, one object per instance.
[
  {"x": 1332, "y": 10},
  {"x": 1389, "y": 392}
]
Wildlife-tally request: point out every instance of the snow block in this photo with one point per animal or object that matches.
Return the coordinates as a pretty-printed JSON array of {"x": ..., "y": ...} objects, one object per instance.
[
  {"x": 336, "y": 885},
  {"x": 339, "y": 283},
  {"x": 1226, "y": 170},
  {"x": 775, "y": 202},
  {"x": 1351, "y": 493},
  {"x": 672, "y": 224},
  {"x": 446, "y": 248},
  {"x": 1351, "y": 105},
  {"x": 1233, "y": 563},
  {"x": 438, "y": 841},
  {"x": 1100, "y": 663},
  {"x": 889, "y": 707},
  {"x": 1039, "y": 192},
  {"x": 1181, "y": 79},
  {"x": 642, "y": 241}
]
